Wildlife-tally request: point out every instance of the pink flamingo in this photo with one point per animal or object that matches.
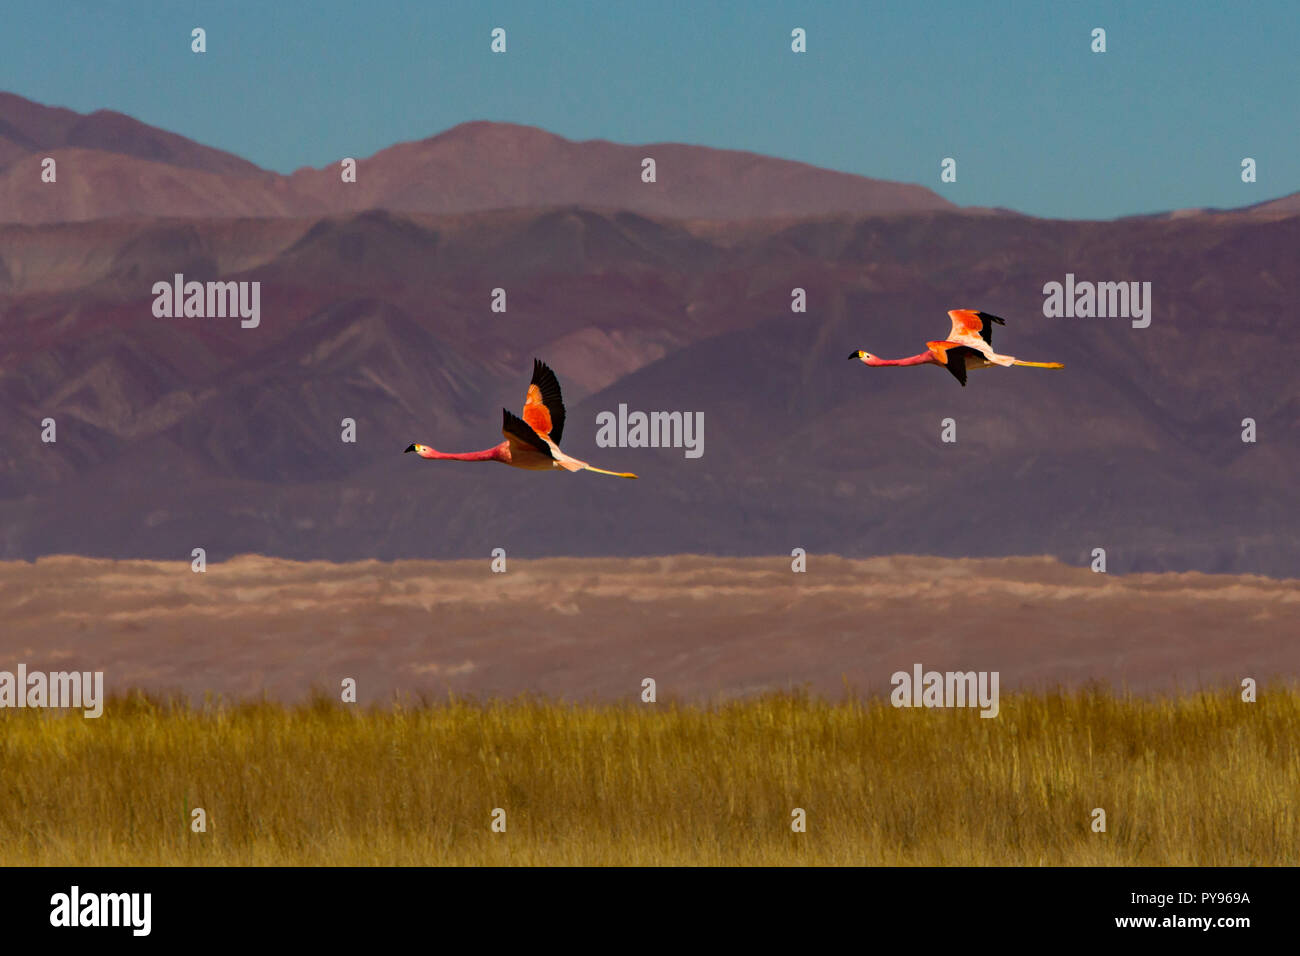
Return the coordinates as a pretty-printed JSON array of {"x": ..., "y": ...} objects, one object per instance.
[
  {"x": 530, "y": 441},
  {"x": 969, "y": 346}
]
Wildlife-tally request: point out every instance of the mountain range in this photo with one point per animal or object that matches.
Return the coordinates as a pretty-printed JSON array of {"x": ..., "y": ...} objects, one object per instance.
[
  {"x": 109, "y": 165},
  {"x": 376, "y": 306}
]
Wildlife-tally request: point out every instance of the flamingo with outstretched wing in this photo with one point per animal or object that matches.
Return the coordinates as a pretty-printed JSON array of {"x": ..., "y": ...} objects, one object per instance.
[
  {"x": 969, "y": 346},
  {"x": 531, "y": 441}
]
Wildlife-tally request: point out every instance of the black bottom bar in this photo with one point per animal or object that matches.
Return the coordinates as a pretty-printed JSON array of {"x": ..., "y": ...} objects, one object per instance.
[{"x": 656, "y": 906}]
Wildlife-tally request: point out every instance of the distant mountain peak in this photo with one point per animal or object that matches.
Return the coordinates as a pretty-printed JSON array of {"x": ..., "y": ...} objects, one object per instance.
[
  {"x": 495, "y": 129},
  {"x": 27, "y": 126}
]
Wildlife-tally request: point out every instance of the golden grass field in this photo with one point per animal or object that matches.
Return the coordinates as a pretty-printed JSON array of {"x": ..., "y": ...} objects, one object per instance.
[{"x": 1197, "y": 779}]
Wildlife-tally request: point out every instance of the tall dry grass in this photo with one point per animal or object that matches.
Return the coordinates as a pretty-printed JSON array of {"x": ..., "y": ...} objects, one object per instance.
[{"x": 1203, "y": 779}]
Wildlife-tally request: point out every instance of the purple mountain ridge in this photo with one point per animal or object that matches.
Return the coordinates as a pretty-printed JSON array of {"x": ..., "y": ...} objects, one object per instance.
[{"x": 176, "y": 433}]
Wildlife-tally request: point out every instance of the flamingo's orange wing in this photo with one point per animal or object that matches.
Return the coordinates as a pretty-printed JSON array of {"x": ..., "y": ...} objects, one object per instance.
[
  {"x": 519, "y": 432},
  {"x": 969, "y": 323},
  {"x": 952, "y": 356},
  {"x": 543, "y": 406}
]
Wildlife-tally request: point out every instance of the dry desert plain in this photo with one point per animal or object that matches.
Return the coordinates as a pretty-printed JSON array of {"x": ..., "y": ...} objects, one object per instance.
[{"x": 592, "y": 629}]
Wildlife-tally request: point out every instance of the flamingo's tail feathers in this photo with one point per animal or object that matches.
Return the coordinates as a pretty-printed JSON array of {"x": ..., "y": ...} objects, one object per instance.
[
  {"x": 1041, "y": 364},
  {"x": 615, "y": 474}
]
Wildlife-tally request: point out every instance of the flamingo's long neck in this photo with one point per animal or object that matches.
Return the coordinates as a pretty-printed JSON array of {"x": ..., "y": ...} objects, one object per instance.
[
  {"x": 487, "y": 454},
  {"x": 923, "y": 358}
]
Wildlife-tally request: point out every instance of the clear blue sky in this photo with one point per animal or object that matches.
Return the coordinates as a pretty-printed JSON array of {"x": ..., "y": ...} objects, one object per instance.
[{"x": 1035, "y": 120}]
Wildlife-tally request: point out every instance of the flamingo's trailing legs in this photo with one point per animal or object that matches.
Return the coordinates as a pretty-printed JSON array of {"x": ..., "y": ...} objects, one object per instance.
[
  {"x": 530, "y": 441},
  {"x": 969, "y": 346}
]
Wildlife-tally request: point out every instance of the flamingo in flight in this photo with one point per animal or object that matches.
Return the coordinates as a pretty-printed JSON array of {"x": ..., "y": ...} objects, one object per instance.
[
  {"x": 969, "y": 346},
  {"x": 530, "y": 441}
]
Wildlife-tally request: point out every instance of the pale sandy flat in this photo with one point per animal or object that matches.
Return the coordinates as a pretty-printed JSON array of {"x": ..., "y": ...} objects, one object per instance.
[{"x": 583, "y": 629}]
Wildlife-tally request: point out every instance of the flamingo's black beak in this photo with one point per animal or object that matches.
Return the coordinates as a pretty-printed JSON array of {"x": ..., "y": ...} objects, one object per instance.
[
  {"x": 857, "y": 354},
  {"x": 411, "y": 448}
]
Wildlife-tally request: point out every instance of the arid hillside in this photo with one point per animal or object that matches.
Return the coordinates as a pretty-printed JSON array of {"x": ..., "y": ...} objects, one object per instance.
[{"x": 176, "y": 433}]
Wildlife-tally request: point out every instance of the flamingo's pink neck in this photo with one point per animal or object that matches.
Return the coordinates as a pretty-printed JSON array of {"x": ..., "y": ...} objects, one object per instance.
[
  {"x": 921, "y": 359},
  {"x": 487, "y": 454}
]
